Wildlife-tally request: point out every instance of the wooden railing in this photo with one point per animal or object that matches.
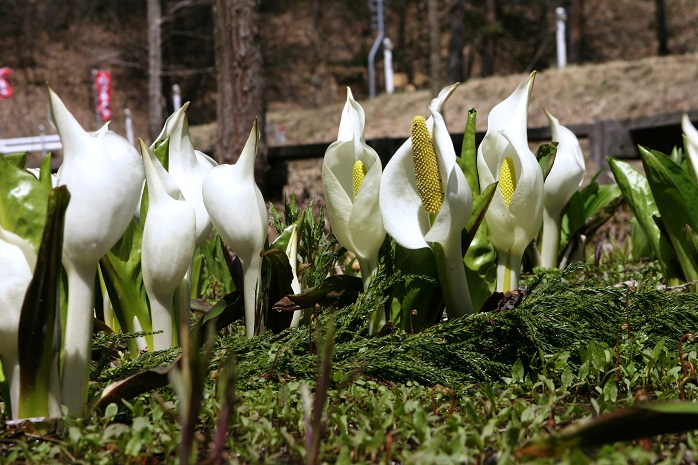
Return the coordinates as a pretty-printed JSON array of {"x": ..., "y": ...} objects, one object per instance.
[{"x": 606, "y": 138}]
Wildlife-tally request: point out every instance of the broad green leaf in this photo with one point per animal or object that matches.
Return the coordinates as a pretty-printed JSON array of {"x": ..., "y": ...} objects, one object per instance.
[
  {"x": 417, "y": 300},
  {"x": 676, "y": 195},
  {"x": 17, "y": 159},
  {"x": 23, "y": 202},
  {"x": 216, "y": 260},
  {"x": 637, "y": 193},
  {"x": 583, "y": 205},
  {"x": 39, "y": 313},
  {"x": 121, "y": 269},
  {"x": 480, "y": 257}
]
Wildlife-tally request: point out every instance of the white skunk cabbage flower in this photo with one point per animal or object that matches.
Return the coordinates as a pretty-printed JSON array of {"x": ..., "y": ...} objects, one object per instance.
[
  {"x": 426, "y": 201},
  {"x": 18, "y": 261},
  {"x": 169, "y": 234},
  {"x": 188, "y": 167},
  {"x": 239, "y": 214},
  {"x": 351, "y": 174},
  {"x": 516, "y": 211},
  {"x": 562, "y": 182},
  {"x": 104, "y": 174}
]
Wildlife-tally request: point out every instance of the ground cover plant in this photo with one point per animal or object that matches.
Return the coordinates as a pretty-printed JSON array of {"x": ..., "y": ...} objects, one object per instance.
[{"x": 202, "y": 341}]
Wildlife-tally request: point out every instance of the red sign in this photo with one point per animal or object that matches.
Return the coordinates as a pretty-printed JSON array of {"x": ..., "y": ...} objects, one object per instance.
[
  {"x": 5, "y": 87},
  {"x": 103, "y": 94}
]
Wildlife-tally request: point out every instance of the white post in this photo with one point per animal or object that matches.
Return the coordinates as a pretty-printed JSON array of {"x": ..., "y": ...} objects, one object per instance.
[
  {"x": 129, "y": 126},
  {"x": 376, "y": 7},
  {"x": 176, "y": 97},
  {"x": 561, "y": 43},
  {"x": 388, "y": 63}
]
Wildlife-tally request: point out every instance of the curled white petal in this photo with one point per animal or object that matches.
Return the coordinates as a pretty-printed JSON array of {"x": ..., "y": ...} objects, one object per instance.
[
  {"x": 238, "y": 212},
  {"x": 568, "y": 170}
]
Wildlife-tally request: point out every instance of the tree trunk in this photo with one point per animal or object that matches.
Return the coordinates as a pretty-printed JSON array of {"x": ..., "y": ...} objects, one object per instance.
[
  {"x": 456, "y": 43},
  {"x": 576, "y": 27},
  {"x": 662, "y": 35},
  {"x": 155, "y": 100},
  {"x": 240, "y": 86},
  {"x": 434, "y": 47},
  {"x": 488, "y": 55}
]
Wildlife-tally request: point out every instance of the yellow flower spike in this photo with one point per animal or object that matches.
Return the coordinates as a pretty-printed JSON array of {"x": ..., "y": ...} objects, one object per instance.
[
  {"x": 358, "y": 175},
  {"x": 426, "y": 167},
  {"x": 507, "y": 179},
  {"x": 426, "y": 201}
]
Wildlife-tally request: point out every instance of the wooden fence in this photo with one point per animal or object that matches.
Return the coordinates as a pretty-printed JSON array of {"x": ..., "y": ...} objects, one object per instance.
[{"x": 606, "y": 138}]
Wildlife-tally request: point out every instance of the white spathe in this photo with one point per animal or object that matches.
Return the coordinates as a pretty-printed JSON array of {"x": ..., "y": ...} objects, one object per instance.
[
  {"x": 408, "y": 222},
  {"x": 18, "y": 261},
  {"x": 511, "y": 227},
  {"x": 355, "y": 221},
  {"x": 239, "y": 214},
  {"x": 168, "y": 246},
  {"x": 562, "y": 182},
  {"x": 188, "y": 168},
  {"x": 104, "y": 174}
]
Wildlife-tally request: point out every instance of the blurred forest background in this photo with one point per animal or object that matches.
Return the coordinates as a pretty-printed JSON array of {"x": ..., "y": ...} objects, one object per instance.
[{"x": 309, "y": 50}]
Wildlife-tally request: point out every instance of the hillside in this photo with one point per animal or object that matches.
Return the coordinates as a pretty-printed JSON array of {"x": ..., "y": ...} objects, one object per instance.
[{"x": 310, "y": 58}]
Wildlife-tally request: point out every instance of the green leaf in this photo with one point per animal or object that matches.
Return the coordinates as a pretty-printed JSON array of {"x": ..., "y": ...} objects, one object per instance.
[
  {"x": 637, "y": 193},
  {"x": 480, "y": 257},
  {"x": 45, "y": 172},
  {"x": 676, "y": 195},
  {"x": 23, "y": 202},
  {"x": 39, "y": 313},
  {"x": 121, "y": 269},
  {"x": 17, "y": 159},
  {"x": 546, "y": 157},
  {"x": 216, "y": 261},
  {"x": 584, "y": 204},
  {"x": 416, "y": 300},
  {"x": 480, "y": 205},
  {"x": 227, "y": 310},
  {"x": 468, "y": 154}
]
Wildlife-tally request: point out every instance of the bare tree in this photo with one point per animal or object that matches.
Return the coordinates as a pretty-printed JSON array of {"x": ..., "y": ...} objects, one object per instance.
[
  {"x": 155, "y": 100},
  {"x": 576, "y": 23},
  {"x": 434, "y": 46},
  {"x": 240, "y": 86},
  {"x": 456, "y": 43},
  {"x": 662, "y": 35},
  {"x": 488, "y": 55}
]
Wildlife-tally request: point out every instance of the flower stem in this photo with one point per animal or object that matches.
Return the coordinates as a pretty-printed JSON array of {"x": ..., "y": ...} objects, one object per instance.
[
  {"x": 78, "y": 336},
  {"x": 369, "y": 268},
  {"x": 551, "y": 238},
  {"x": 508, "y": 271},
  {"x": 161, "y": 314},
  {"x": 451, "y": 270},
  {"x": 251, "y": 278}
]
